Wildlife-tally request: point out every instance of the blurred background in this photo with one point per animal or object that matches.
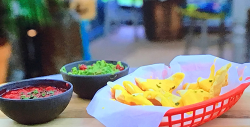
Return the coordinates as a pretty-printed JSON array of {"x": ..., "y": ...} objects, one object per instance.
[{"x": 38, "y": 37}]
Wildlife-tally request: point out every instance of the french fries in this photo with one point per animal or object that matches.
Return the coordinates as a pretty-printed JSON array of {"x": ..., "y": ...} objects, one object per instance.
[
  {"x": 131, "y": 88},
  {"x": 148, "y": 91}
]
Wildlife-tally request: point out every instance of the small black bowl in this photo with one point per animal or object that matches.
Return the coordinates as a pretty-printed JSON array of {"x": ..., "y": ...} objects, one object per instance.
[
  {"x": 86, "y": 86},
  {"x": 35, "y": 111}
]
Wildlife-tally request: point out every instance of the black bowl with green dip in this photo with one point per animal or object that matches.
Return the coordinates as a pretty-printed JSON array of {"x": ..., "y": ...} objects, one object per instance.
[{"x": 88, "y": 77}]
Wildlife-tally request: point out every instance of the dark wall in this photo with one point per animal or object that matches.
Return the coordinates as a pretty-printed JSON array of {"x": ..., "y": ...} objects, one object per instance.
[
  {"x": 60, "y": 45},
  {"x": 161, "y": 21}
]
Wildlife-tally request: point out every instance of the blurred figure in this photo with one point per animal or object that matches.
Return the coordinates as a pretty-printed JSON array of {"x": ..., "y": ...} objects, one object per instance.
[
  {"x": 5, "y": 49},
  {"x": 5, "y": 52},
  {"x": 85, "y": 8}
]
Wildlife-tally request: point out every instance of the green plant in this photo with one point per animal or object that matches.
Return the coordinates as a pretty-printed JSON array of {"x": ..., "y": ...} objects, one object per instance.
[{"x": 30, "y": 12}]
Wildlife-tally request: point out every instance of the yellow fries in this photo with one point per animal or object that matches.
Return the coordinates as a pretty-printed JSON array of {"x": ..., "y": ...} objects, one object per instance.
[
  {"x": 121, "y": 95},
  {"x": 113, "y": 88},
  {"x": 173, "y": 82},
  {"x": 159, "y": 97},
  {"x": 193, "y": 86},
  {"x": 150, "y": 91},
  {"x": 145, "y": 85},
  {"x": 219, "y": 81},
  {"x": 158, "y": 85},
  {"x": 206, "y": 84},
  {"x": 190, "y": 96},
  {"x": 131, "y": 88}
]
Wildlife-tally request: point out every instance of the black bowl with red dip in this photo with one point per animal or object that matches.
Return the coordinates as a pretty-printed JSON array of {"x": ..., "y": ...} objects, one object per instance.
[
  {"x": 35, "y": 101},
  {"x": 88, "y": 77}
]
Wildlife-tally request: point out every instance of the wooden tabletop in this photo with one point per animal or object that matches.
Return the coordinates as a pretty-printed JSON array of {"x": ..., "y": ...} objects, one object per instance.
[{"x": 75, "y": 115}]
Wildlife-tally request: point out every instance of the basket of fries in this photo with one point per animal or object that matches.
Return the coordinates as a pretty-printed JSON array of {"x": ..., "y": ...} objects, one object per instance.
[{"x": 192, "y": 91}]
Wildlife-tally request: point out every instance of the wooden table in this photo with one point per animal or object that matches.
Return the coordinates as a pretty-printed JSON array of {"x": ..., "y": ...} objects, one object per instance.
[{"x": 75, "y": 115}]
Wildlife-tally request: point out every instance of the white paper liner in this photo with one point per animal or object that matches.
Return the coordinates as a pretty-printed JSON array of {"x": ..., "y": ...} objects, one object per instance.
[{"x": 115, "y": 114}]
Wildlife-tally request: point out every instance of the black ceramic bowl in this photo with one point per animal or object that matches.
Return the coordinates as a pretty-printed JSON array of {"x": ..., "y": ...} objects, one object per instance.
[
  {"x": 86, "y": 86},
  {"x": 35, "y": 111}
]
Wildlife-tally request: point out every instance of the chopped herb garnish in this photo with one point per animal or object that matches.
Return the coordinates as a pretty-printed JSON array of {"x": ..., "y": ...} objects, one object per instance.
[
  {"x": 31, "y": 97},
  {"x": 210, "y": 80},
  {"x": 158, "y": 86},
  {"x": 35, "y": 91},
  {"x": 32, "y": 92},
  {"x": 177, "y": 103},
  {"x": 173, "y": 87},
  {"x": 22, "y": 97},
  {"x": 51, "y": 92}
]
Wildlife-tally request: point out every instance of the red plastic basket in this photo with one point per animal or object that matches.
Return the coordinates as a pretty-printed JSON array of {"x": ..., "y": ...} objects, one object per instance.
[{"x": 225, "y": 101}]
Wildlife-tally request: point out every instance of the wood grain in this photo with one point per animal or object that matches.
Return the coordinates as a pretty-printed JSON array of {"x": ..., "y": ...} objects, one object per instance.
[
  {"x": 60, "y": 122},
  {"x": 92, "y": 122},
  {"x": 76, "y": 115},
  {"x": 241, "y": 108}
]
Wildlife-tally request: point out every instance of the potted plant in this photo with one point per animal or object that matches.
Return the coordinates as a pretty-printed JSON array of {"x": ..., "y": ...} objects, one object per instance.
[
  {"x": 19, "y": 16},
  {"x": 48, "y": 22},
  {"x": 5, "y": 52}
]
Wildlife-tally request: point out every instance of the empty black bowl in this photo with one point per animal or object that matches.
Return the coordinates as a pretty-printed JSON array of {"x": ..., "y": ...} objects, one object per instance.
[
  {"x": 35, "y": 111},
  {"x": 86, "y": 86}
]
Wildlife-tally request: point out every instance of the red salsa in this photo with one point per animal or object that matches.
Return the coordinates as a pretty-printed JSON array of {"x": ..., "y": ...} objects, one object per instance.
[{"x": 32, "y": 92}]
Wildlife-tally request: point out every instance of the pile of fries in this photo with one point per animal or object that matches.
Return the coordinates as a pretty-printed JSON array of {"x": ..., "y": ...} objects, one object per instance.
[{"x": 157, "y": 92}]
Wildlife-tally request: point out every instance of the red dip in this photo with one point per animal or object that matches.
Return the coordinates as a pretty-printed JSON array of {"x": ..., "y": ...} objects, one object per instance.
[{"x": 32, "y": 92}]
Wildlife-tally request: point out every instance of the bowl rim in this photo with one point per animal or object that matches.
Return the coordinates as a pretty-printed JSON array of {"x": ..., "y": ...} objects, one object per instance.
[
  {"x": 37, "y": 99},
  {"x": 126, "y": 69}
]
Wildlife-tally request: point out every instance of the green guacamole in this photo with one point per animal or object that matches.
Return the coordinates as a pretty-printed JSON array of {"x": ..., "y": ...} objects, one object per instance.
[{"x": 99, "y": 68}]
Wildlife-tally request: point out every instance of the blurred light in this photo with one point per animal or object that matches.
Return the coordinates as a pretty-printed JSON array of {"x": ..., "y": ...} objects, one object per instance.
[{"x": 32, "y": 33}]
